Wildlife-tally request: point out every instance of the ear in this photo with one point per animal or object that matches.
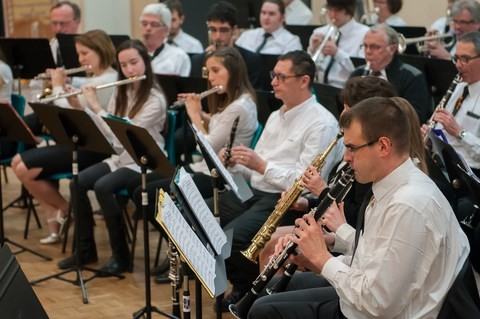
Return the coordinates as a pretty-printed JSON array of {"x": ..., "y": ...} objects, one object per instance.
[{"x": 386, "y": 147}]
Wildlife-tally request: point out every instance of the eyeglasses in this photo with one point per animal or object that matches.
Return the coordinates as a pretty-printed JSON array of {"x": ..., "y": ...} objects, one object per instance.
[
  {"x": 219, "y": 30},
  {"x": 353, "y": 148},
  {"x": 282, "y": 77},
  {"x": 462, "y": 22},
  {"x": 372, "y": 47},
  {"x": 153, "y": 24},
  {"x": 463, "y": 59},
  {"x": 61, "y": 23}
]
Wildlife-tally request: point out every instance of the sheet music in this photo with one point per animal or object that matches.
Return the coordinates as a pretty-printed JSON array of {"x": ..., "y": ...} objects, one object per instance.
[
  {"x": 223, "y": 171},
  {"x": 187, "y": 242},
  {"x": 205, "y": 217}
]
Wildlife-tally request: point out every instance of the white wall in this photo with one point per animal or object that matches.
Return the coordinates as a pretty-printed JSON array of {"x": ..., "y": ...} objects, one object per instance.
[{"x": 112, "y": 16}]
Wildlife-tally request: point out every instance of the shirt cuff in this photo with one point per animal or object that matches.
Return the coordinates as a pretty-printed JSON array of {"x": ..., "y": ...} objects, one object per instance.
[{"x": 332, "y": 267}]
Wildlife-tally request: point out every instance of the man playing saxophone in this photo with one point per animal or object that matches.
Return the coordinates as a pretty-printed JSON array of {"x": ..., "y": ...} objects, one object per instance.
[
  {"x": 407, "y": 224},
  {"x": 285, "y": 149}
]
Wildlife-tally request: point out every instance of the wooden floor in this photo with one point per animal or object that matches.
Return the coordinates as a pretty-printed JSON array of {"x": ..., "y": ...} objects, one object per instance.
[{"x": 107, "y": 297}]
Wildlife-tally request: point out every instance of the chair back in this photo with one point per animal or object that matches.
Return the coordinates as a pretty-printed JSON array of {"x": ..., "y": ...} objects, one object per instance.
[
  {"x": 18, "y": 103},
  {"x": 170, "y": 136},
  {"x": 256, "y": 136}
]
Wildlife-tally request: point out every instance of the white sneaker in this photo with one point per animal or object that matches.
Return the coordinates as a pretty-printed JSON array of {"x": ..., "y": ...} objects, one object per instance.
[{"x": 51, "y": 239}]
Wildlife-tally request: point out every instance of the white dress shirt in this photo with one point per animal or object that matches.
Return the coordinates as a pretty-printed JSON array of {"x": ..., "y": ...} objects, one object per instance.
[
  {"x": 281, "y": 41},
  {"x": 187, "y": 43},
  {"x": 393, "y": 20},
  {"x": 220, "y": 127},
  {"x": 7, "y": 79},
  {"x": 352, "y": 34},
  {"x": 468, "y": 117},
  {"x": 298, "y": 13},
  {"x": 289, "y": 143},
  {"x": 409, "y": 254},
  {"x": 172, "y": 61},
  {"x": 151, "y": 117}
]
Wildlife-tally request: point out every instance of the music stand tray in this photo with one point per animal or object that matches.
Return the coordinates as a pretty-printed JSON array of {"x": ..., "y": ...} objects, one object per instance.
[
  {"x": 145, "y": 152},
  {"x": 13, "y": 128},
  {"x": 75, "y": 129}
]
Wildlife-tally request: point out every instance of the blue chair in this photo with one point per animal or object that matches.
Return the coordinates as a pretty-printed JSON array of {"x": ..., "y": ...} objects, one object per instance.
[
  {"x": 170, "y": 136},
  {"x": 256, "y": 136}
]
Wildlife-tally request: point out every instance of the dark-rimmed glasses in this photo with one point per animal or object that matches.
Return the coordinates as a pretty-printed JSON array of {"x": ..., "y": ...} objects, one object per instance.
[
  {"x": 282, "y": 77},
  {"x": 353, "y": 148},
  {"x": 463, "y": 59}
]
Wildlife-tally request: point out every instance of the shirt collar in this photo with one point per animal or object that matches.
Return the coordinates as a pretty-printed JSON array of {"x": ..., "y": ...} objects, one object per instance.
[
  {"x": 275, "y": 33},
  {"x": 296, "y": 109},
  {"x": 381, "y": 187},
  {"x": 347, "y": 27}
]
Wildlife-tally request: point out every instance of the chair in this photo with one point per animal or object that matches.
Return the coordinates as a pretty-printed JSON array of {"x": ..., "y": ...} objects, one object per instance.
[
  {"x": 256, "y": 136},
  {"x": 18, "y": 103}
]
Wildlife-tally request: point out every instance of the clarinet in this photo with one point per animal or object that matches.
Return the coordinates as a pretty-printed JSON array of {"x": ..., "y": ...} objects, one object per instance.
[
  {"x": 174, "y": 277},
  {"x": 290, "y": 269},
  {"x": 241, "y": 308},
  {"x": 229, "y": 144},
  {"x": 441, "y": 105}
]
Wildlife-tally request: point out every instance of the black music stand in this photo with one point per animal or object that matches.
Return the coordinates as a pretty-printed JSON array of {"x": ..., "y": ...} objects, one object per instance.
[
  {"x": 66, "y": 43},
  {"x": 266, "y": 104},
  {"x": 304, "y": 32},
  {"x": 76, "y": 129},
  {"x": 411, "y": 32},
  {"x": 12, "y": 128},
  {"x": 145, "y": 152},
  {"x": 327, "y": 95},
  {"x": 27, "y": 57}
]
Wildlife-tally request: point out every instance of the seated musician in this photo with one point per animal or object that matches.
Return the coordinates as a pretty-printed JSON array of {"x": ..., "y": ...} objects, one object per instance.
[
  {"x": 465, "y": 19},
  {"x": 380, "y": 44},
  {"x": 285, "y": 149},
  {"x": 34, "y": 166},
  {"x": 408, "y": 224},
  {"x": 334, "y": 64},
  {"x": 156, "y": 20},
  {"x": 387, "y": 12},
  {"x": 460, "y": 119},
  {"x": 225, "y": 67},
  {"x": 144, "y": 104},
  {"x": 443, "y": 24},
  {"x": 271, "y": 37}
]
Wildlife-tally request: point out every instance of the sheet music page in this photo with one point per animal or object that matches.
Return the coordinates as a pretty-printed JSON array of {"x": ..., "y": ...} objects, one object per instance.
[
  {"x": 185, "y": 239},
  {"x": 218, "y": 163},
  {"x": 205, "y": 217}
]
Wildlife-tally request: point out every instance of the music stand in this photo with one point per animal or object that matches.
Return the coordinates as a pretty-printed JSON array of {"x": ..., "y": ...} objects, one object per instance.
[
  {"x": 27, "y": 57},
  {"x": 75, "y": 129},
  {"x": 304, "y": 32},
  {"x": 66, "y": 43},
  {"x": 266, "y": 104},
  {"x": 145, "y": 152},
  {"x": 12, "y": 128},
  {"x": 411, "y": 32},
  {"x": 327, "y": 95}
]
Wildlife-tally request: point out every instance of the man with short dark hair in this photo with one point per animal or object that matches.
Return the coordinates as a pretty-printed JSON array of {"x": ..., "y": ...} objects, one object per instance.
[
  {"x": 381, "y": 44},
  {"x": 293, "y": 136},
  {"x": 410, "y": 237},
  {"x": 271, "y": 37},
  {"x": 222, "y": 29},
  {"x": 177, "y": 36}
]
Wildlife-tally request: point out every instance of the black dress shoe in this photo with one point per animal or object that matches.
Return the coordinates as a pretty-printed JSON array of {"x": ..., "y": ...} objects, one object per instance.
[
  {"x": 85, "y": 258},
  {"x": 115, "y": 266}
]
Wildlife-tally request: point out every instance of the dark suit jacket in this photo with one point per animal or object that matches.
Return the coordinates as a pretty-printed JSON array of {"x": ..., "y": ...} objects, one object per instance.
[
  {"x": 410, "y": 84},
  {"x": 256, "y": 72}
]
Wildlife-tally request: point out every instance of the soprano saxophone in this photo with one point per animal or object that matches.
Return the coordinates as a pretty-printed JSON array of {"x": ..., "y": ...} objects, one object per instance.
[{"x": 282, "y": 207}]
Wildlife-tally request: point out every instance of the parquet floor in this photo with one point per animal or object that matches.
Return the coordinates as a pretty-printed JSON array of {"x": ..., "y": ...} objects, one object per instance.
[{"x": 107, "y": 297}]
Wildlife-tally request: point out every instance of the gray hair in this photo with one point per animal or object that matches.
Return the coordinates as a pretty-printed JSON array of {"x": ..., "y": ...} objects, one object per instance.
[
  {"x": 391, "y": 34},
  {"x": 158, "y": 9},
  {"x": 472, "y": 37},
  {"x": 471, "y": 6}
]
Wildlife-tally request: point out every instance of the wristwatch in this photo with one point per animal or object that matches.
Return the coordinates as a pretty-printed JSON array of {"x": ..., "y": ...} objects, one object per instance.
[{"x": 462, "y": 134}]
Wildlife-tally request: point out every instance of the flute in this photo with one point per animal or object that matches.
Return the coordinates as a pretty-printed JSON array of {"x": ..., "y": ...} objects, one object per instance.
[
  {"x": 47, "y": 76},
  {"x": 99, "y": 87},
  {"x": 180, "y": 103}
]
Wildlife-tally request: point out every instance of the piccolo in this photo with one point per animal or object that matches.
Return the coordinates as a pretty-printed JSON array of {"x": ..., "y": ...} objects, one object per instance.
[
  {"x": 99, "y": 87},
  {"x": 47, "y": 76},
  {"x": 180, "y": 103}
]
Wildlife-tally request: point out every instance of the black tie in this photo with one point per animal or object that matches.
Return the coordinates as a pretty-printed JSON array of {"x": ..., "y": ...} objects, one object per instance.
[
  {"x": 59, "y": 58},
  {"x": 377, "y": 73},
  {"x": 460, "y": 100},
  {"x": 265, "y": 37},
  {"x": 332, "y": 61},
  {"x": 361, "y": 220},
  {"x": 171, "y": 42}
]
